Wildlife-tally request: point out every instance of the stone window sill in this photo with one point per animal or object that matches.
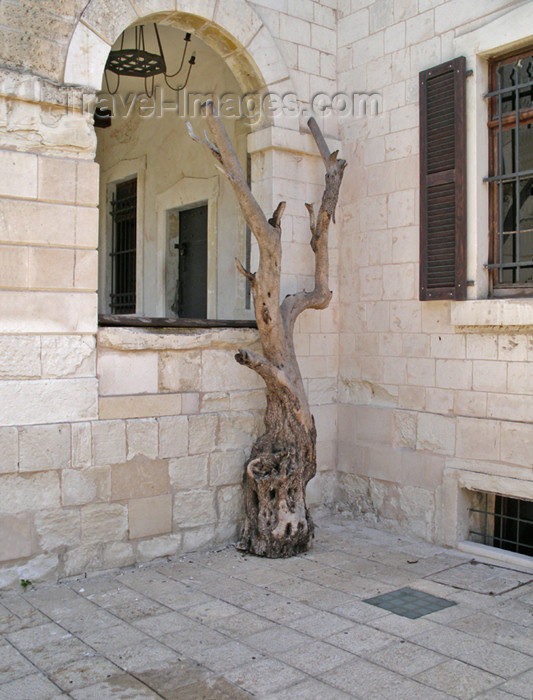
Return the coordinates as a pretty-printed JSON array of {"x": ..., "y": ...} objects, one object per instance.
[{"x": 492, "y": 313}]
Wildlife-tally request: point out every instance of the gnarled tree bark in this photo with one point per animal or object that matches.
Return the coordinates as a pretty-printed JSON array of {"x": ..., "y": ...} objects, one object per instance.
[{"x": 283, "y": 459}]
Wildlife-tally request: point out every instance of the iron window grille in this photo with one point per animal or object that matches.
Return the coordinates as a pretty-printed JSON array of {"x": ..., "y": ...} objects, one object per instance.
[
  {"x": 124, "y": 248},
  {"x": 502, "y": 522},
  {"x": 511, "y": 173}
]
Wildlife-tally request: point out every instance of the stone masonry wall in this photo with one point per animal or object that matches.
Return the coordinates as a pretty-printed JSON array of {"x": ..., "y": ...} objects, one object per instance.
[
  {"x": 423, "y": 396},
  {"x": 119, "y": 446}
]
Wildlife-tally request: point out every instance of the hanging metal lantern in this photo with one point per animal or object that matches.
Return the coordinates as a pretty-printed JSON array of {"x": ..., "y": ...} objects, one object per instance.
[{"x": 135, "y": 61}]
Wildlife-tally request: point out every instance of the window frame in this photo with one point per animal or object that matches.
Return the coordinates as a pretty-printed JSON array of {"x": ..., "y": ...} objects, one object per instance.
[{"x": 496, "y": 125}]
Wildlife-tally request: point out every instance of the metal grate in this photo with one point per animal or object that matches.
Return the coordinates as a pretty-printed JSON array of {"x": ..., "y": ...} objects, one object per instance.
[
  {"x": 503, "y": 522},
  {"x": 409, "y": 602},
  {"x": 511, "y": 178},
  {"x": 124, "y": 248}
]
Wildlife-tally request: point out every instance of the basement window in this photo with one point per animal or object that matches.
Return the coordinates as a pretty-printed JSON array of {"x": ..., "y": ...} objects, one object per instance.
[{"x": 502, "y": 522}]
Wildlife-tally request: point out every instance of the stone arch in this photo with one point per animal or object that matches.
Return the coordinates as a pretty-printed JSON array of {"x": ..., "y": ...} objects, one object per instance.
[{"x": 232, "y": 28}]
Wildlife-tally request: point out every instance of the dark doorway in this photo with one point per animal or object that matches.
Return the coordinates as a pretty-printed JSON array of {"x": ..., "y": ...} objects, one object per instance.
[{"x": 192, "y": 269}]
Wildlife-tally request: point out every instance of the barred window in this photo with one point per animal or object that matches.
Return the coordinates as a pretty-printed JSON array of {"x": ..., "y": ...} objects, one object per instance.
[
  {"x": 124, "y": 248},
  {"x": 511, "y": 174}
]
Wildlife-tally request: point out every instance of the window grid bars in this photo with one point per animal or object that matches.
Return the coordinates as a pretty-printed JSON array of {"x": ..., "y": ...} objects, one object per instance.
[{"x": 500, "y": 520}]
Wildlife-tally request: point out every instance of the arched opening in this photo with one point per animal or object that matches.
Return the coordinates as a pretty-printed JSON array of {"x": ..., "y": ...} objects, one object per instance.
[{"x": 170, "y": 226}]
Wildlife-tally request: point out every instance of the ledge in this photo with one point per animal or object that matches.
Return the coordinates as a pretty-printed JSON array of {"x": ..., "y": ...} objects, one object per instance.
[{"x": 492, "y": 312}]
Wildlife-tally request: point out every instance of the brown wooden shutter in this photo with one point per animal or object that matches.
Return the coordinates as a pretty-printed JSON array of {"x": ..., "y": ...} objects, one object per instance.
[{"x": 443, "y": 181}]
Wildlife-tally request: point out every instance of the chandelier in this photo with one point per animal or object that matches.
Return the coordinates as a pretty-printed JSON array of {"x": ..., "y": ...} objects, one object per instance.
[{"x": 137, "y": 62}]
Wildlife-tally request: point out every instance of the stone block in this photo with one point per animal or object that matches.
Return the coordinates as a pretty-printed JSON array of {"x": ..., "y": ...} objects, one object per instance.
[
  {"x": 322, "y": 390},
  {"x": 116, "y": 555},
  {"x": 186, "y": 473},
  {"x": 103, "y": 522},
  {"x": 17, "y": 537},
  {"x": 81, "y": 486},
  {"x": 107, "y": 20},
  {"x": 194, "y": 508},
  {"x": 68, "y": 355},
  {"x": 215, "y": 401},
  {"x": 448, "y": 346},
  {"x": 162, "y": 546},
  {"x": 138, "y": 478},
  {"x": 436, "y": 433},
  {"x": 51, "y": 268},
  {"x": 490, "y": 375},
  {"x": 20, "y": 356},
  {"x": 373, "y": 426},
  {"x": 150, "y": 516},
  {"x": 199, "y": 537},
  {"x": 220, "y": 372},
  {"x": 238, "y": 430},
  {"x": 326, "y": 422},
  {"x": 421, "y": 371},
  {"x": 58, "y": 528},
  {"x": 422, "y": 469},
  {"x": 142, "y": 438},
  {"x": 202, "y": 433},
  {"x": 248, "y": 400},
  {"x": 43, "y": 567},
  {"x": 8, "y": 450},
  {"x": 80, "y": 560},
  {"x": 180, "y": 371},
  {"x": 14, "y": 266},
  {"x": 454, "y": 374},
  {"x": 86, "y": 233},
  {"x": 226, "y": 467},
  {"x": 139, "y": 406},
  {"x": 440, "y": 400},
  {"x": 18, "y": 174},
  {"x": 478, "y": 439},
  {"x": 86, "y": 270},
  {"x": 516, "y": 440},
  {"x": 173, "y": 436},
  {"x": 37, "y": 223},
  {"x": 48, "y": 312},
  {"x": 109, "y": 441},
  {"x": 470, "y": 403},
  {"x": 230, "y": 503},
  {"x": 127, "y": 372},
  {"x": 404, "y": 429},
  {"x": 44, "y": 447},
  {"x": 190, "y": 403},
  {"x": 56, "y": 181},
  {"x": 29, "y": 492},
  {"x": 81, "y": 436}
]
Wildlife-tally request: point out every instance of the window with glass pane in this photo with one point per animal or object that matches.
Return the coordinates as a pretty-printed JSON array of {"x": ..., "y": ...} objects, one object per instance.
[
  {"x": 511, "y": 174},
  {"x": 124, "y": 248}
]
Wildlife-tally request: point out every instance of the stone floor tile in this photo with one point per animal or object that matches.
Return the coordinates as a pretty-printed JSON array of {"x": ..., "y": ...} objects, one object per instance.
[
  {"x": 327, "y": 598},
  {"x": 117, "y": 687},
  {"x": 13, "y": 664},
  {"x": 52, "y": 656},
  {"x": 496, "y": 694},
  {"x": 363, "y": 679},
  {"x": 497, "y": 659},
  {"x": 33, "y": 687},
  {"x": 359, "y": 611},
  {"x": 360, "y": 639},
  {"x": 459, "y": 679},
  {"x": 521, "y": 685},
  {"x": 310, "y": 689},
  {"x": 144, "y": 656},
  {"x": 209, "y": 689},
  {"x": 403, "y": 626},
  {"x": 282, "y": 610},
  {"x": 405, "y": 658},
  {"x": 315, "y": 657},
  {"x": 34, "y": 637},
  {"x": 210, "y": 611},
  {"x": 264, "y": 676},
  {"x": 276, "y": 639},
  {"x": 166, "y": 623},
  {"x": 446, "y": 641},
  {"x": 82, "y": 672},
  {"x": 226, "y": 656},
  {"x": 112, "y": 638},
  {"x": 243, "y": 624},
  {"x": 193, "y": 638},
  {"x": 320, "y": 624}
]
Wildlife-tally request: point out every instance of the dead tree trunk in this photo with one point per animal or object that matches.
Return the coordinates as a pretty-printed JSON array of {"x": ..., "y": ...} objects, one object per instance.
[{"x": 283, "y": 459}]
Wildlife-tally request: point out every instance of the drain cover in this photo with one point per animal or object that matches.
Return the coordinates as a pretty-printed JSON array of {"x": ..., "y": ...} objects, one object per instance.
[
  {"x": 482, "y": 578},
  {"x": 409, "y": 602}
]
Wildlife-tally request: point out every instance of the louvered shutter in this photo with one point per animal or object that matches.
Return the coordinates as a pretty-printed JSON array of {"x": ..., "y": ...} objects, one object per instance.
[{"x": 443, "y": 181}]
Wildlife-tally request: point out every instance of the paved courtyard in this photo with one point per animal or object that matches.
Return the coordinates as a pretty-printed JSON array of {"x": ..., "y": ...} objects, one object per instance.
[{"x": 227, "y": 626}]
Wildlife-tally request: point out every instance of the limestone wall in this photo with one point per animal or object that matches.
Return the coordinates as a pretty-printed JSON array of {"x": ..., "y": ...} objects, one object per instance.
[
  {"x": 432, "y": 394},
  {"x": 118, "y": 446}
]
